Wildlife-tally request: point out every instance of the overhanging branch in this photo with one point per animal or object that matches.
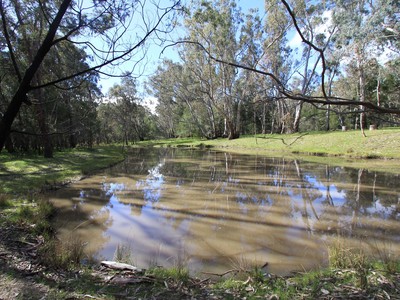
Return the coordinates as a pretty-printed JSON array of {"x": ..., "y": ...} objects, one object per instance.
[
  {"x": 325, "y": 100},
  {"x": 123, "y": 56}
]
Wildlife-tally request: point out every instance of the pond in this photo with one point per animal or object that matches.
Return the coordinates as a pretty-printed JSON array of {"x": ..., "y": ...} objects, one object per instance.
[{"x": 214, "y": 211}]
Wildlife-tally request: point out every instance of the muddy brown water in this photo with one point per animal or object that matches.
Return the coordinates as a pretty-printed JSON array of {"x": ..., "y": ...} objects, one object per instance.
[{"x": 214, "y": 211}]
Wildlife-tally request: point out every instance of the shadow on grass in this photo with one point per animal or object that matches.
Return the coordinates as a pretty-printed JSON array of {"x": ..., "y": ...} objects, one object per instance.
[{"x": 22, "y": 174}]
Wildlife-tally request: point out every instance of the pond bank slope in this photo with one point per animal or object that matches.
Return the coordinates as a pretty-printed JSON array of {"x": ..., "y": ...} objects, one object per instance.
[{"x": 378, "y": 151}]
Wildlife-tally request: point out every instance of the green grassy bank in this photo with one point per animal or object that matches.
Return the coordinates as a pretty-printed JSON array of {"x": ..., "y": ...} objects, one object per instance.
[
  {"x": 384, "y": 143},
  {"x": 379, "y": 151},
  {"x": 26, "y": 173}
]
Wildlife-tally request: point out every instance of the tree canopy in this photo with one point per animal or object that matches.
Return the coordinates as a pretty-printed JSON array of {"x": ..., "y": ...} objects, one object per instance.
[{"x": 286, "y": 66}]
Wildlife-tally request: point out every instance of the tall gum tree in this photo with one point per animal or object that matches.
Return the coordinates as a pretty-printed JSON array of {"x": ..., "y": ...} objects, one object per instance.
[
  {"x": 214, "y": 24},
  {"x": 312, "y": 21},
  {"x": 277, "y": 60},
  {"x": 249, "y": 89}
]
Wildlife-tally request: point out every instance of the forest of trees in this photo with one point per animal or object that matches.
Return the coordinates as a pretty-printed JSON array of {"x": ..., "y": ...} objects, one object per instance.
[{"x": 293, "y": 66}]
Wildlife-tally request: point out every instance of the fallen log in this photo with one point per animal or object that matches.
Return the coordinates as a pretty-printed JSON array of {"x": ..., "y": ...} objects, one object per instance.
[{"x": 119, "y": 266}]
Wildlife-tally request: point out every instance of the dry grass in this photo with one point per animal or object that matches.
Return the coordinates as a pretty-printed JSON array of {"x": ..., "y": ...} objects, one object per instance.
[
  {"x": 62, "y": 255},
  {"x": 123, "y": 254}
]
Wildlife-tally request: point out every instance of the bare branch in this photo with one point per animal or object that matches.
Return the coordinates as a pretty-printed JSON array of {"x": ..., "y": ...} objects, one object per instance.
[{"x": 321, "y": 51}]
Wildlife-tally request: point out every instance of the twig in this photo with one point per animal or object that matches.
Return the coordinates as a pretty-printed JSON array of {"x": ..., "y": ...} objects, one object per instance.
[
  {"x": 283, "y": 140},
  {"x": 221, "y": 274}
]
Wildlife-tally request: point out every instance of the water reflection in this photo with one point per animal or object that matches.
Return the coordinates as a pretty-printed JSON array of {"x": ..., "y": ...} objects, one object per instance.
[{"x": 208, "y": 209}]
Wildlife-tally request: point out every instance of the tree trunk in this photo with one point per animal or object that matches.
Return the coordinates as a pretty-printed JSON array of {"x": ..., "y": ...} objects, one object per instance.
[
  {"x": 297, "y": 116},
  {"x": 24, "y": 87},
  {"x": 328, "y": 118},
  {"x": 72, "y": 138},
  {"x": 44, "y": 131},
  {"x": 41, "y": 115},
  {"x": 11, "y": 113},
  {"x": 362, "y": 92},
  {"x": 9, "y": 145},
  {"x": 264, "y": 119},
  {"x": 232, "y": 132}
]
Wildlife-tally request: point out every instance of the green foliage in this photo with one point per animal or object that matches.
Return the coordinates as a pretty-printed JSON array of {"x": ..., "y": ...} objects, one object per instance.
[{"x": 124, "y": 119}]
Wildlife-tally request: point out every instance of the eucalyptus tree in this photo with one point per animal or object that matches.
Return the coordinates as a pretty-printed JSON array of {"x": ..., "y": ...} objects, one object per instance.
[
  {"x": 276, "y": 59},
  {"x": 215, "y": 24},
  {"x": 250, "y": 91},
  {"x": 180, "y": 109},
  {"x": 101, "y": 28},
  {"x": 128, "y": 113},
  {"x": 319, "y": 71},
  {"x": 314, "y": 22},
  {"x": 202, "y": 103},
  {"x": 361, "y": 31},
  {"x": 164, "y": 86}
]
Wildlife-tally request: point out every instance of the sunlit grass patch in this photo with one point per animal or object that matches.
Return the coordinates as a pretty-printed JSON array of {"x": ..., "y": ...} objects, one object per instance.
[
  {"x": 350, "y": 258},
  {"x": 174, "y": 273},
  {"x": 24, "y": 174},
  {"x": 344, "y": 257},
  {"x": 382, "y": 143},
  {"x": 229, "y": 284}
]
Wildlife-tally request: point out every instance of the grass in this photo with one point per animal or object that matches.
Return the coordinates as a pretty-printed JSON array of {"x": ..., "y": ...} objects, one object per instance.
[
  {"x": 382, "y": 143},
  {"x": 379, "y": 151},
  {"x": 62, "y": 254},
  {"x": 28, "y": 174},
  {"x": 176, "y": 273},
  {"x": 123, "y": 254}
]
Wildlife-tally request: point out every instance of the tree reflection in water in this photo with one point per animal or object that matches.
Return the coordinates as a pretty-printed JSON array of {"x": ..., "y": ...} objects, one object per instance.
[{"x": 207, "y": 209}]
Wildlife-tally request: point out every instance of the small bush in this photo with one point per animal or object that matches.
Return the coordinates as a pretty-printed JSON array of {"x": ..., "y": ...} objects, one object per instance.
[
  {"x": 42, "y": 219},
  {"x": 123, "y": 254},
  {"x": 46, "y": 209},
  {"x": 4, "y": 201},
  {"x": 25, "y": 213},
  {"x": 59, "y": 255},
  {"x": 385, "y": 254},
  {"x": 342, "y": 257},
  {"x": 174, "y": 273}
]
